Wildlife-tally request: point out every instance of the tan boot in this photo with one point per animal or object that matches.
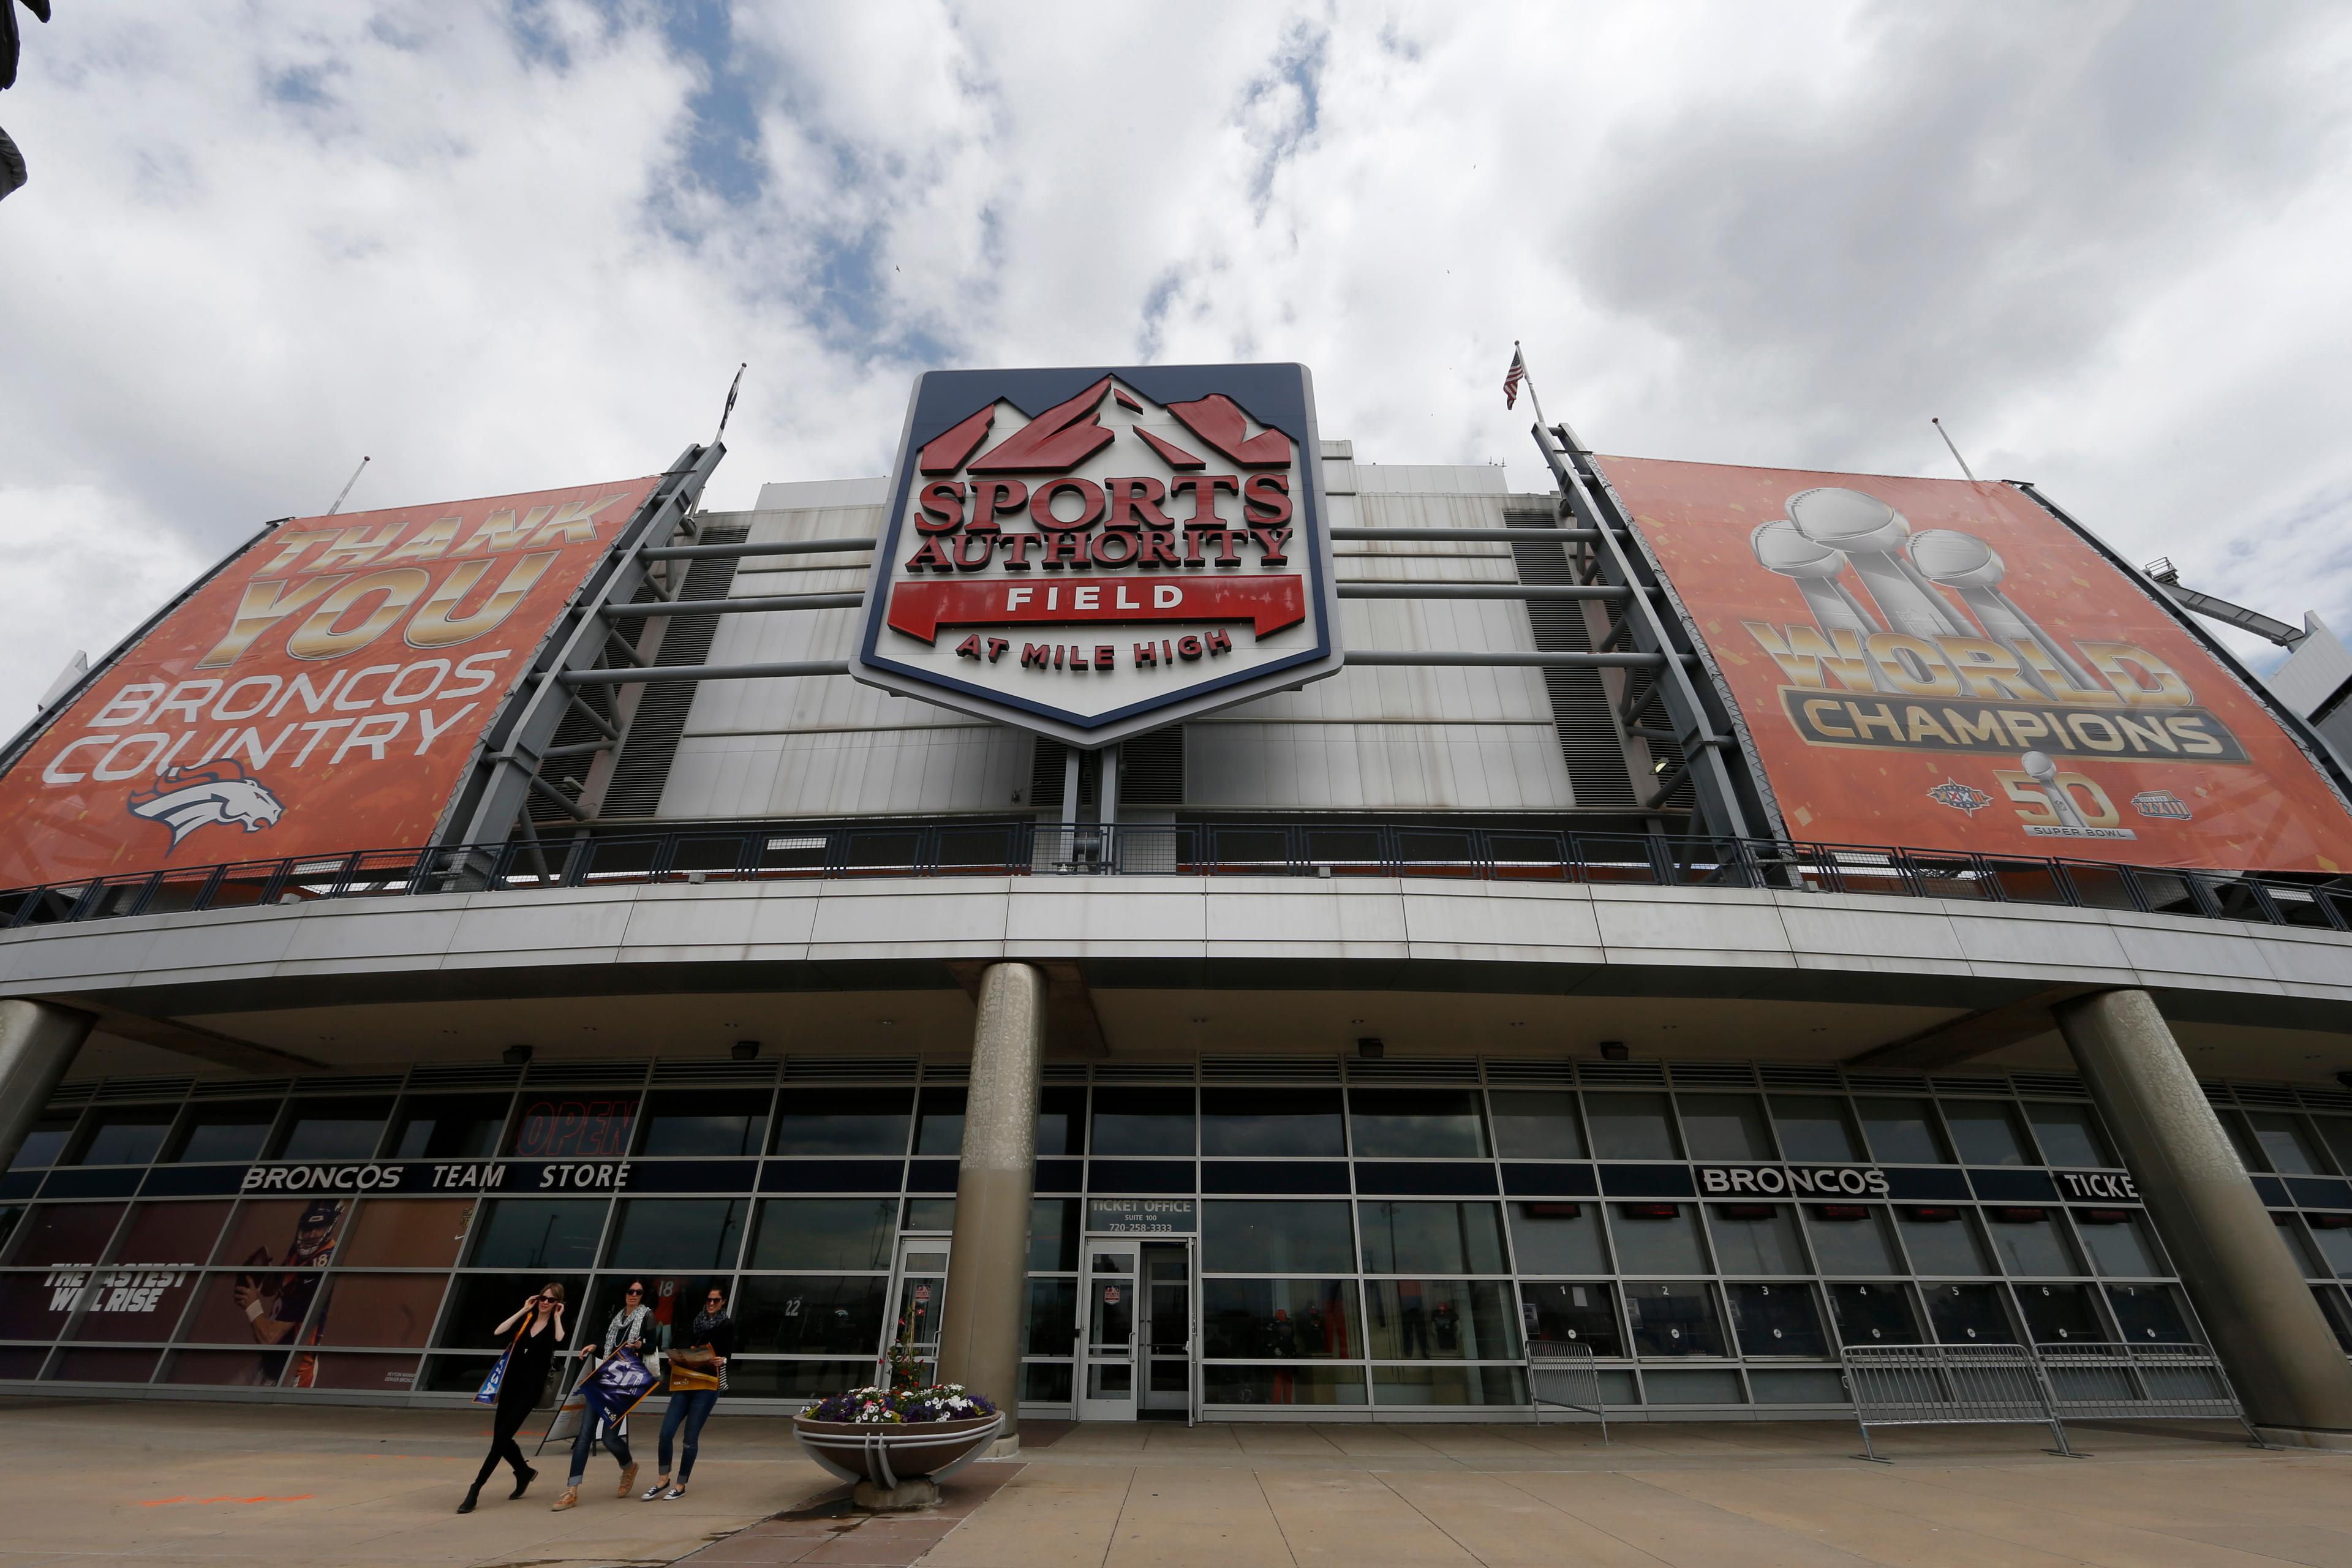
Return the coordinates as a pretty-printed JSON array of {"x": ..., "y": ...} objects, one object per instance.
[
  {"x": 571, "y": 1498},
  {"x": 628, "y": 1481}
]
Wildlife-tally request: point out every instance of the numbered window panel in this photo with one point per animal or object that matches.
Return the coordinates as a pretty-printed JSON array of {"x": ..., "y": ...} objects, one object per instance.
[
  {"x": 2070, "y": 1135},
  {"x": 2332, "y": 1234},
  {"x": 125, "y": 1135},
  {"x": 232, "y": 1131},
  {"x": 2030, "y": 1241},
  {"x": 1775, "y": 1321},
  {"x": 1416, "y": 1123},
  {"x": 1757, "y": 1239},
  {"x": 824, "y": 1233},
  {"x": 125, "y": 1303},
  {"x": 1558, "y": 1237},
  {"x": 449, "y": 1126},
  {"x": 1627, "y": 1126},
  {"x": 1903, "y": 1131},
  {"x": 1432, "y": 1237},
  {"x": 1657, "y": 1239},
  {"x": 553, "y": 1234},
  {"x": 1440, "y": 1385},
  {"x": 1282, "y": 1384},
  {"x": 1676, "y": 1318},
  {"x": 813, "y": 1314},
  {"x": 1535, "y": 1124},
  {"x": 479, "y": 1304},
  {"x": 1242, "y": 1320},
  {"x": 1852, "y": 1238},
  {"x": 759, "y": 1379},
  {"x": 1966, "y": 1314},
  {"x": 707, "y": 1121},
  {"x": 337, "y": 1129},
  {"x": 845, "y": 1122},
  {"x": 2120, "y": 1242},
  {"x": 1873, "y": 1313},
  {"x": 1142, "y": 1121},
  {"x": 1061, "y": 1122},
  {"x": 1815, "y": 1127},
  {"x": 1583, "y": 1310},
  {"x": 1255, "y": 1236},
  {"x": 43, "y": 1143},
  {"x": 1050, "y": 1317},
  {"x": 1946, "y": 1239},
  {"x": 1987, "y": 1132},
  {"x": 676, "y": 1233},
  {"x": 407, "y": 1233},
  {"x": 1272, "y": 1123},
  {"x": 382, "y": 1311},
  {"x": 65, "y": 1233},
  {"x": 1726, "y": 1127},
  {"x": 2061, "y": 1314},
  {"x": 574, "y": 1127},
  {"x": 2149, "y": 1315}
]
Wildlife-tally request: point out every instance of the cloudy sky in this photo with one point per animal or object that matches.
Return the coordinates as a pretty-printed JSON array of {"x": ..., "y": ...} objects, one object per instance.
[{"x": 504, "y": 247}]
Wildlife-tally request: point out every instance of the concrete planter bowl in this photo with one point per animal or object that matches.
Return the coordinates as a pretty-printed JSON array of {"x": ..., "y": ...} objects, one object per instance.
[{"x": 897, "y": 1466}]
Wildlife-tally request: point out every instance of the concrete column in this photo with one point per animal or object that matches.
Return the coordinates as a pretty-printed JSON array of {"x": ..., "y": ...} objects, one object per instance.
[
  {"x": 988, "y": 1266},
  {"x": 38, "y": 1042},
  {"x": 2245, "y": 1285}
]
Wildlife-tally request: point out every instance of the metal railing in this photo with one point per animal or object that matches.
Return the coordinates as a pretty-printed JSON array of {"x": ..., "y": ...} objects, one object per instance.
[
  {"x": 2036, "y": 1385},
  {"x": 1563, "y": 1374},
  {"x": 834, "y": 851},
  {"x": 2123, "y": 1381}
]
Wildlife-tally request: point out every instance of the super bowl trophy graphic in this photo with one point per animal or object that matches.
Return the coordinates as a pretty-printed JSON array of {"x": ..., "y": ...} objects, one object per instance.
[
  {"x": 1872, "y": 535},
  {"x": 1816, "y": 570},
  {"x": 2044, "y": 773},
  {"x": 1973, "y": 570}
]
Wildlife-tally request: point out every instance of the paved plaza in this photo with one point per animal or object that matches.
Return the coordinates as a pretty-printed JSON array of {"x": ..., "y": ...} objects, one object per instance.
[{"x": 150, "y": 1483}]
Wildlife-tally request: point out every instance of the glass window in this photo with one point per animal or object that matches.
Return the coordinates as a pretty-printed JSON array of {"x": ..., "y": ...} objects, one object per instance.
[
  {"x": 289, "y": 1233},
  {"x": 226, "y": 1368},
  {"x": 2060, "y": 1314},
  {"x": 2291, "y": 1148},
  {"x": 407, "y": 1233},
  {"x": 104, "y": 1366},
  {"x": 389, "y": 1311},
  {"x": 2149, "y": 1315},
  {"x": 1252, "y": 1237},
  {"x": 703, "y": 1121},
  {"x": 2069, "y": 1134},
  {"x": 1535, "y": 1124},
  {"x": 676, "y": 1233},
  {"x": 813, "y": 1315},
  {"x": 1903, "y": 1131},
  {"x": 1053, "y": 1234},
  {"x": 167, "y": 1234},
  {"x": 1671, "y": 1319},
  {"x": 2250, "y": 1152},
  {"x": 928, "y": 1215},
  {"x": 1442, "y": 1320},
  {"x": 1142, "y": 1121},
  {"x": 1851, "y": 1238},
  {"x": 2119, "y": 1242},
  {"x": 2335, "y": 1242},
  {"x": 845, "y": 1121},
  {"x": 824, "y": 1233},
  {"x": 1272, "y": 1122},
  {"x": 1062, "y": 1121},
  {"x": 132, "y": 1135},
  {"x": 2299, "y": 1244},
  {"x": 1049, "y": 1324},
  {"x": 43, "y": 1143},
  {"x": 538, "y": 1233},
  {"x": 1573, "y": 1311},
  {"x": 1432, "y": 1237},
  {"x": 1756, "y": 1238},
  {"x": 1558, "y": 1238},
  {"x": 1871, "y": 1314},
  {"x": 1416, "y": 1123},
  {"x": 1284, "y": 1384},
  {"x": 1725, "y": 1126},
  {"x": 589, "y": 1127},
  {"x": 938, "y": 1121},
  {"x": 10, "y": 1216},
  {"x": 1776, "y": 1320},
  {"x": 1967, "y": 1314},
  {"x": 2032, "y": 1241},
  {"x": 449, "y": 1126},
  {"x": 669, "y": 1300},
  {"x": 479, "y": 1304},
  {"x": 1814, "y": 1127},
  {"x": 1943, "y": 1241},
  {"x": 1279, "y": 1319},
  {"x": 1657, "y": 1239},
  {"x": 2337, "y": 1132},
  {"x": 223, "y": 1313},
  {"x": 1986, "y": 1132},
  {"x": 2338, "y": 1311},
  {"x": 383, "y": 1374},
  {"x": 796, "y": 1379},
  {"x": 1046, "y": 1383},
  {"x": 1438, "y": 1385},
  {"x": 341, "y": 1129},
  {"x": 1631, "y": 1126},
  {"x": 229, "y": 1130},
  {"x": 132, "y": 1304}
]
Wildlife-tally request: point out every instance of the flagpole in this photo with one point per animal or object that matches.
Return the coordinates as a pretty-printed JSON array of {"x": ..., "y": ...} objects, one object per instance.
[{"x": 1530, "y": 377}]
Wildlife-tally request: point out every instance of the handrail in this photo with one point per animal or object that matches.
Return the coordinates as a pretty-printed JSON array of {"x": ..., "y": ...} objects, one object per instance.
[{"x": 718, "y": 852}]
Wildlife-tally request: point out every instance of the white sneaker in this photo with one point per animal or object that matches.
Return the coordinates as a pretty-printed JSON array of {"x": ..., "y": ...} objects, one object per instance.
[
  {"x": 651, "y": 1493},
  {"x": 673, "y": 1494}
]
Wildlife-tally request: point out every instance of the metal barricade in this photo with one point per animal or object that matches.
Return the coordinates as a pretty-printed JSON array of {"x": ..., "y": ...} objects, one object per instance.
[
  {"x": 1562, "y": 1373},
  {"x": 2122, "y": 1380},
  {"x": 1948, "y": 1385}
]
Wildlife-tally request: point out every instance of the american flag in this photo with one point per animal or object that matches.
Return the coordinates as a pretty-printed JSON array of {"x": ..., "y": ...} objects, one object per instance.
[{"x": 1519, "y": 373}]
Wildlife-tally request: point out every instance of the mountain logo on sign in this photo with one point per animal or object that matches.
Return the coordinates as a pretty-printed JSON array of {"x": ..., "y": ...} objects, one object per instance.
[{"x": 185, "y": 799}]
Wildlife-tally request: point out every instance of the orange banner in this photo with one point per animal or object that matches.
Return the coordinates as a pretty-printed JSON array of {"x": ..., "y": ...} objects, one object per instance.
[
  {"x": 1937, "y": 664},
  {"x": 320, "y": 693}
]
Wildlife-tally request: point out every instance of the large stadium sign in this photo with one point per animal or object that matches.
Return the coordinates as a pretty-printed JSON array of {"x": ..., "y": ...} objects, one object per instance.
[
  {"x": 1942, "y": 664},
  {"x": 1094, "y": 552}
]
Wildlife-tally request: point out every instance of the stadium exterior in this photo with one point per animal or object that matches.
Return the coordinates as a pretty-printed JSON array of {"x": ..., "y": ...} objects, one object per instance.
[{"x": 1302, "y": 1059}]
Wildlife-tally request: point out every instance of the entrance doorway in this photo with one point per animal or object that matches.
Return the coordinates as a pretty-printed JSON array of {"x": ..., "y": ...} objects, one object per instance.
[
  {"x": 1138, "y": 1331},
  {"x": 1167, "y": 1327},
  {"x": 918, "y": 1296}
]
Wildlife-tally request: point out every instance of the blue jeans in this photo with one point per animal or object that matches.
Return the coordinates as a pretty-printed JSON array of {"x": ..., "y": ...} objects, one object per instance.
[
  {"x": 585, "y": 1444},
  {"x": 690, "y": 1410}
]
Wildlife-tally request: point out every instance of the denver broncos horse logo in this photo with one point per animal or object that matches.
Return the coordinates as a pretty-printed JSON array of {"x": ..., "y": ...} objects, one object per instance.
[{"x": 185, "y": 799}]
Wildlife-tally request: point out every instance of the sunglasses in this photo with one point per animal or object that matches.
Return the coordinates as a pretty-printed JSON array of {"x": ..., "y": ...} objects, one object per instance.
[{"x": 633, "y": 1290}]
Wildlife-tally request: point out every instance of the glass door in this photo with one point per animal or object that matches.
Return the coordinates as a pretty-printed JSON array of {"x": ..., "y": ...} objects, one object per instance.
[
  {"x": 1106, "y": 1342},
  {"x": 918, "y": 1296},
  {"x": 1168, "y": 1327}
]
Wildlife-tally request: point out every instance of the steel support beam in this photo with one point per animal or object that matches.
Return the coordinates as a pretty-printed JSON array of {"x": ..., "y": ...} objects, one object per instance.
[{"x": 739, "y": 552}]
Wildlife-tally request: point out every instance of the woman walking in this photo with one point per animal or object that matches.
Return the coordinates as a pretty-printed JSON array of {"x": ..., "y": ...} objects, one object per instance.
[
  {"x": 527, "y": 1360},
  {"x": 627, "y": 1332},
  {"x": 713, "y": 1331}
]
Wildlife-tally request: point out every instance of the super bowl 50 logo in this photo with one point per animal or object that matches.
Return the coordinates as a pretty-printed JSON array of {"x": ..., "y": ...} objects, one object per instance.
[{"x": 1094, "y": 552}]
